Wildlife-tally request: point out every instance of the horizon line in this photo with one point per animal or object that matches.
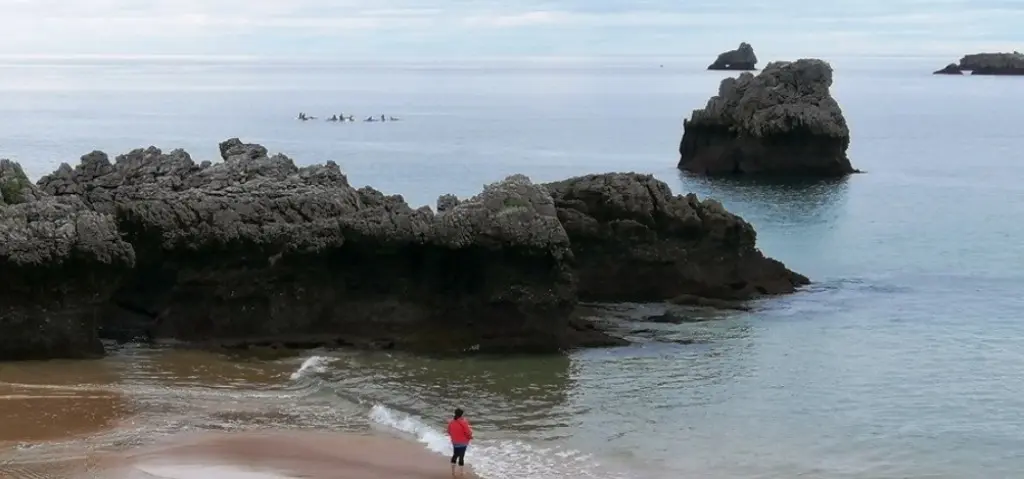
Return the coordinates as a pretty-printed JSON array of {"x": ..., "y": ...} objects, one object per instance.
[{"x": 249, "y": 58}]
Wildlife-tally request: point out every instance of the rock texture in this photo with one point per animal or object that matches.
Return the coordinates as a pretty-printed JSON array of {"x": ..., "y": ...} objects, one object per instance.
[
  {"x": 58, "y": 262},
  {"x": 255, "y": 247},
  {"x": 951, "y": 69},
  {"x": 782, "y": 121},
  {"x": 255, "y": 251},
  {"x": 993, "y": 63},
  {"x": 742, "y": 58},
  {"x": 633, "y": 240}
]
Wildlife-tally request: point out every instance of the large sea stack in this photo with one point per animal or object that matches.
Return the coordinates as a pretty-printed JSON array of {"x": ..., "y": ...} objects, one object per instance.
[
  {"x": 742, "y": 58},
  {"x": 255, "y": 250},
  {"x": 781, "y": 122}
]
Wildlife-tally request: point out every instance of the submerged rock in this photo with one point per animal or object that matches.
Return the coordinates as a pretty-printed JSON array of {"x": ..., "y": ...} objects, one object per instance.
[
  {"x": 58, "y": 262},
  {"x": 742, "y": 58},
  {"x": 993, "y": 63},
  {"x": 633, "y": 240},
  {"x": 783, "y": 121},
  {"x": 951, "y": 69}
]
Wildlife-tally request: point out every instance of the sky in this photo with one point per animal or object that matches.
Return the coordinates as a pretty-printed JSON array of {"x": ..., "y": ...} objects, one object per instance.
[{"x": 428, "y": 29}]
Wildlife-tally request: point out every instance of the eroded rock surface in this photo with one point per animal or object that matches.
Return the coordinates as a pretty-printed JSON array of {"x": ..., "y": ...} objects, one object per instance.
[
  {"x": 742, "y": 58},
  {"x": 255, "y": 251},
  {"x": 255, "y": 247},
  {"x": 633, "y": 240},
  {"x": 59, "y": 261},
  {"x": 782, "y": 121}
]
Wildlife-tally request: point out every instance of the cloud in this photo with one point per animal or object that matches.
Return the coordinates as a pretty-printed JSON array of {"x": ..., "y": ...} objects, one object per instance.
[{"x": 470, "y": 27}]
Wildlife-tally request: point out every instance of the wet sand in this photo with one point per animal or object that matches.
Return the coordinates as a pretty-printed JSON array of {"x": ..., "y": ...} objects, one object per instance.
[
  {"x": 29, "y": 413},
  {"x": 285, "y": 454},
  {"x": 181, "y": 414}
]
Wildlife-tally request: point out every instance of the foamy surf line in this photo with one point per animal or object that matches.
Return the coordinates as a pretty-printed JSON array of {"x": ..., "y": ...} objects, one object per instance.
[
  {"x": 312, "y": 366},
  {"x": 488, "y": 459},
  {"x": 497, "y": 459}
]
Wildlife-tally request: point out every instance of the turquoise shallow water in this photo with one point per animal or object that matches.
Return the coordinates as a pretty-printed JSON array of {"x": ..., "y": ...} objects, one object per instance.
[{"x": 902, "y": 360}]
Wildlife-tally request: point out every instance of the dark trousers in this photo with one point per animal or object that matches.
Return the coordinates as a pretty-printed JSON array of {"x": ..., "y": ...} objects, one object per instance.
[{"x": 459, "y": 455}]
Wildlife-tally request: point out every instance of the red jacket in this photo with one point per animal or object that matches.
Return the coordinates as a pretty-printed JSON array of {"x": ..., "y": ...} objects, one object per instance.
[{"x": 460, "y": 431}]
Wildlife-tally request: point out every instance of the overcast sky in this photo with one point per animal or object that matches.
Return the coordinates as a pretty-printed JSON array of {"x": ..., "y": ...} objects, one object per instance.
[{"x": 369, "y": 29}]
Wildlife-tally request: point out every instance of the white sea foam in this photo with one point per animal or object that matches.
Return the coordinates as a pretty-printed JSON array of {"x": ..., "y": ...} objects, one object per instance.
[
  {"x": 495, "y": 459},
  {"x": 312, "y": 366}
]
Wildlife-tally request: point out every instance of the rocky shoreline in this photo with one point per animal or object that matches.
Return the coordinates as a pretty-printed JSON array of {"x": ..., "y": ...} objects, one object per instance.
[{"x": 255, "y": 250}]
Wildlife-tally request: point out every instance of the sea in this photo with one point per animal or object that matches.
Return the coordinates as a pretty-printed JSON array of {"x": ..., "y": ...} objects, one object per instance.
[{"x": 903, "y": 358}]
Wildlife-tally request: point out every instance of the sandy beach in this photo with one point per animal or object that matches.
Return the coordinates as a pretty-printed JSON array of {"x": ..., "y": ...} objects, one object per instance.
[{"x": 255, "y": 455}]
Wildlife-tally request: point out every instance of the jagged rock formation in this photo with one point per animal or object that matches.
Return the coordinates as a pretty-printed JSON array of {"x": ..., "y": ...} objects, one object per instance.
[
  {"x": 742, "y": 58},
  {"x": 256, "y": 251},
  {"x": 256, "y": 247},
  {"x": 782, "y": 121},
  {"x": 58, "y": 262},
  {"x": 993, "y": 63},
  {"x": 951, "y": 69},
  {"x": 633, "y": 240}
]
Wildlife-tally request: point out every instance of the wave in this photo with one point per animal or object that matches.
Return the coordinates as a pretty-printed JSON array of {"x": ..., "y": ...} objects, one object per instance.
[
  {"x": 490, "y": 459},
  {"x": 313, "y": 366},
  {"x": 497, "y": 459}
]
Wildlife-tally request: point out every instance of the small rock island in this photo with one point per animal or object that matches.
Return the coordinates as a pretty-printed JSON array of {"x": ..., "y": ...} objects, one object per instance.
[
  {"x": 987, "y": 64},
  {"x": 255, "y": 251},
  {"x": 782, "y": 121},
  {"x": 742, "y": 58}
]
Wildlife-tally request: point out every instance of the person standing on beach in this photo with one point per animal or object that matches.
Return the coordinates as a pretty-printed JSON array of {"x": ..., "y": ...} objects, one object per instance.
[{"x": 461, "y": 434}]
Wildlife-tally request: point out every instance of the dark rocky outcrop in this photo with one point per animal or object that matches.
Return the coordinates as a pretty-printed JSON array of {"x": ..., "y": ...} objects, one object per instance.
[
  {"x": 256, "y": 247},
  {"x": 742, "y": 58},
  {"x": 993, "y": 63},
  {"x": 781, "y": 122},
  {"x": 58, "y": 262},
  {"x": 633, "y": 240},
  {"x": 255, "y": 251},
  {"x": 951, "y": 69}
]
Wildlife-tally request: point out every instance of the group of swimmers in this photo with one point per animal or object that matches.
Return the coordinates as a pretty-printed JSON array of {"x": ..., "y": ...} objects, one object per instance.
[{"x": 342, "y": 117}]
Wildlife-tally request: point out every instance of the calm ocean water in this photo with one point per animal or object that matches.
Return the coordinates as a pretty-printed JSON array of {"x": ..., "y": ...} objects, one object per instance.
[{"x": 902, "y": 360}]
